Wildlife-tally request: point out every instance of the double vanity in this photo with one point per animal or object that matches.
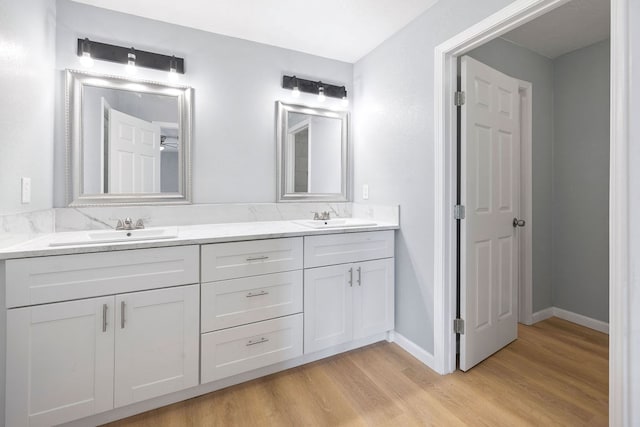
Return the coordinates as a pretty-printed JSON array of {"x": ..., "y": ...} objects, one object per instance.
[
  {"x": 116, "y": 327},
  {"x": 103, "y": 324}
]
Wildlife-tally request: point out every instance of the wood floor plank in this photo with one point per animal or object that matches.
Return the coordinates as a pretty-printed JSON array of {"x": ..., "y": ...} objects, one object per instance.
[{"x": 556, "y": 373}]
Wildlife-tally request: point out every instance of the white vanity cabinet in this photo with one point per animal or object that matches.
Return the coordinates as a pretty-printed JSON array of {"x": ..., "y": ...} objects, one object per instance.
[
  {"x": 156, "y": 343},
  {"x": 351, "y": 300},
  {"x": 59, "y": 361},
  {"x": 251, "y": 311},
  {"x": 68, "y": 360},
  {"x": 96, "y": 332}
]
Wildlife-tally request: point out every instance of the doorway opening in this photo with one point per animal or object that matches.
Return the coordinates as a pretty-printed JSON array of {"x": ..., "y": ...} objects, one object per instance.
[{"x": 446, "y": 183}]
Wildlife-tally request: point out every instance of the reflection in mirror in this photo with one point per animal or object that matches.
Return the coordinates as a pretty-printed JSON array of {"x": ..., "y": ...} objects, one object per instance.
[
  {"x": 128, "y": 141},
  {"x": 123, "y": 134},
  {"x": 312, "y": 158}
]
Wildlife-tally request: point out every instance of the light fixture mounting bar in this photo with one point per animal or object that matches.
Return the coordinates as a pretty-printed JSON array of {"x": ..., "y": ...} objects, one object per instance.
[
  {"x": 119, "y": 54},
  {"x": 310, "y": 86}
]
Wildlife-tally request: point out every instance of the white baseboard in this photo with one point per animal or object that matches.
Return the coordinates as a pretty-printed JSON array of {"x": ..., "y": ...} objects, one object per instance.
[
  {"x": 570, "y": 316},
  {"x": 588, "y": 322},
  {"x": 541, "y": 315},
  {"x": 413, "y": 349}
]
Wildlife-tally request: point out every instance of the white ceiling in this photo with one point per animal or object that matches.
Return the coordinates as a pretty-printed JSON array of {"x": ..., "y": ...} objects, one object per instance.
[
  {"x": 577, "y": 24},
  {"x": 345, "y": 30}
]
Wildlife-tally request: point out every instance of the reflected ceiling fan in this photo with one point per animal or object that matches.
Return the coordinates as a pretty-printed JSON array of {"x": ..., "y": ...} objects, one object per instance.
[{"x": 168, "y": 144}]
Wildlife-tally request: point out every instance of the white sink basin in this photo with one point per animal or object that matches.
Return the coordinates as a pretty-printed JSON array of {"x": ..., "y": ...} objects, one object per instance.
[
  {"x": 335, "y": 223},
  {"x": 114, "y": 236}
]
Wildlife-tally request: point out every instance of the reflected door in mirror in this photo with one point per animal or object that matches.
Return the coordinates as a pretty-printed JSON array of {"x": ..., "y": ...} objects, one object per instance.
[
  {"x": 133, "y": 159},
  {"x": 124, "y": 136}
]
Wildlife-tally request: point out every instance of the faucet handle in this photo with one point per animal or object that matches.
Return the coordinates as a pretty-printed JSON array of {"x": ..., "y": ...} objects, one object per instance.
[
  {"x": 139, "y": 224},
  {"x": 316, "y": 216},
  {"x": 326, "y": 215},
  {"x": 119, "y": 225}
]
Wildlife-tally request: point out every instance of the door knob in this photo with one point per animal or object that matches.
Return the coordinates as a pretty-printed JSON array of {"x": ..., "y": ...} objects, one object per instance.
[{"x": 518, "y": 222}]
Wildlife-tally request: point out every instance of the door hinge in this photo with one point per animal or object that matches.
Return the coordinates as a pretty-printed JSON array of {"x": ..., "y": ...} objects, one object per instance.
[
  {"x": 458, "y": 326},
  {"x": 458, "y": 211},
  {"x": 459, "y": 98}
]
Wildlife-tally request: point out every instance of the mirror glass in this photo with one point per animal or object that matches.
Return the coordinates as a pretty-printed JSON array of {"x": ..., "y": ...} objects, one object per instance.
[
  {"x": 129, "y": 141},
  {"x": 312, "y": 145}
]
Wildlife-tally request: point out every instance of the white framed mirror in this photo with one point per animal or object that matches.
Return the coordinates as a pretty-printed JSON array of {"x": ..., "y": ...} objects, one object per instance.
[
  {"x": 128, "y": 141},
  {"x": 313, "y": 147}
]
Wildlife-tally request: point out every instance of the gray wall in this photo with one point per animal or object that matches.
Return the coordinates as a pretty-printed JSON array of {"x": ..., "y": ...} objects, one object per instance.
[
  {"x": 526, "y": 65},
  {"x": 581, "y": 182},
  {"x": 27, "y": 55},
  {"x": 236, "y": 85},
  {"x": 393, "y": 147},
  {"x": 169, "y": 169}
]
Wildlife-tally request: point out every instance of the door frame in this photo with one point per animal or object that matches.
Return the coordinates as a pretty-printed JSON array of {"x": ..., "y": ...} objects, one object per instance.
[
  {"x": 525, "y": 234},
  {"x": 445, "y": 178}
]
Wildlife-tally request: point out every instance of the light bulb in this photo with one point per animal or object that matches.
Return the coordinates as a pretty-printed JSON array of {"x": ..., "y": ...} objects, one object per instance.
[
  {"x": 161, "y": 147},
  {"x": 321, "y": 96},
  {"x": 173, "y": 69},
  {"x": 296, "y": 88},
  {"x": 86, "y": 60},
  {"x": 345, "y": 101},
  {"x": 131, "y": 62}
]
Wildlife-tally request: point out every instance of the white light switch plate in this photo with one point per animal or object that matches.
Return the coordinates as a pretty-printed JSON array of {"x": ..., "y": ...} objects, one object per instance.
[
  {"x": 365, "y": 192},
  {"x": 26, "y": 190}
]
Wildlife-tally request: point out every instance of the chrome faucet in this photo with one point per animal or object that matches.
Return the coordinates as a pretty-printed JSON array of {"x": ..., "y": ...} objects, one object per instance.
[
  {"x": 322, "y": 216},
  {"x": 127, "y": 224}
]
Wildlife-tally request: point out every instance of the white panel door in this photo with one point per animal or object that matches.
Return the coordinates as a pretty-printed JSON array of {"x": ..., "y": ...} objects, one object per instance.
[
  {"x": 490, "y": 183},
  {"x": 134, "y": 154},
  {"x": 373, "y": 299},
  {"x": 156, "y": 344},
  {"x": 328, "y": 306},
  {"x": 59, "y": 362}
]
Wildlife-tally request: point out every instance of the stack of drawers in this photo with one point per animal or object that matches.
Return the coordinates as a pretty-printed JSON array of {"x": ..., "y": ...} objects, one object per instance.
[{"x": 251, "y": 305}]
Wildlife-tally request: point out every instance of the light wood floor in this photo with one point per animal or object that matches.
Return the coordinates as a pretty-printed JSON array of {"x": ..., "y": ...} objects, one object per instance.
[{"x": 556, "y": 373}]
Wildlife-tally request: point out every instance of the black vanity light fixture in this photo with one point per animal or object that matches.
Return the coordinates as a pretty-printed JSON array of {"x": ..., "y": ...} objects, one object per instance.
[
  {"x": 88, "y": 50},
  {"x": 298, "y": 85}
]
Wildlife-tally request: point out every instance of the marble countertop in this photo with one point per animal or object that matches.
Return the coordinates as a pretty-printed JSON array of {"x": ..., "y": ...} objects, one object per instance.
[{"x": 187, "y": 235}]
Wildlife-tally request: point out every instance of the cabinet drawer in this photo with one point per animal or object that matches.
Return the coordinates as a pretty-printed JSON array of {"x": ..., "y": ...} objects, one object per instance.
[
  {"x": 237, "y": 302},
  {"x": 32, "y": 281},
  {"x": 244, "y": 348},
  {"x": 349, "y": 247},
  {"x": 223, "y": 261}
]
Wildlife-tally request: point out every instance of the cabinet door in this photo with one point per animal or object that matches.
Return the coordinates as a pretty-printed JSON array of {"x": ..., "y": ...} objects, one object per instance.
[
  {"x": 156, "y": 344},
  {"x": 328, "y": 296},
  {"x": 59, "y": 361},
  {"x": 373, "y": 308}
]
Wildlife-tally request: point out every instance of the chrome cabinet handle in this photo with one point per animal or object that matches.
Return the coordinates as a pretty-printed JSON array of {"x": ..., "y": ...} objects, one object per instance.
[
  {"x": 122, "y": 305},
  {"x": 351, "y": 276},
  {"x": 257, "y": 258},
  {"x": 359, "y": 276},
  {"x": 259, "y": 294},
  {"x": 104, "y": 317},
  {"x": 518, "y": 222},
  {"x": 260, "y": 341}
]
